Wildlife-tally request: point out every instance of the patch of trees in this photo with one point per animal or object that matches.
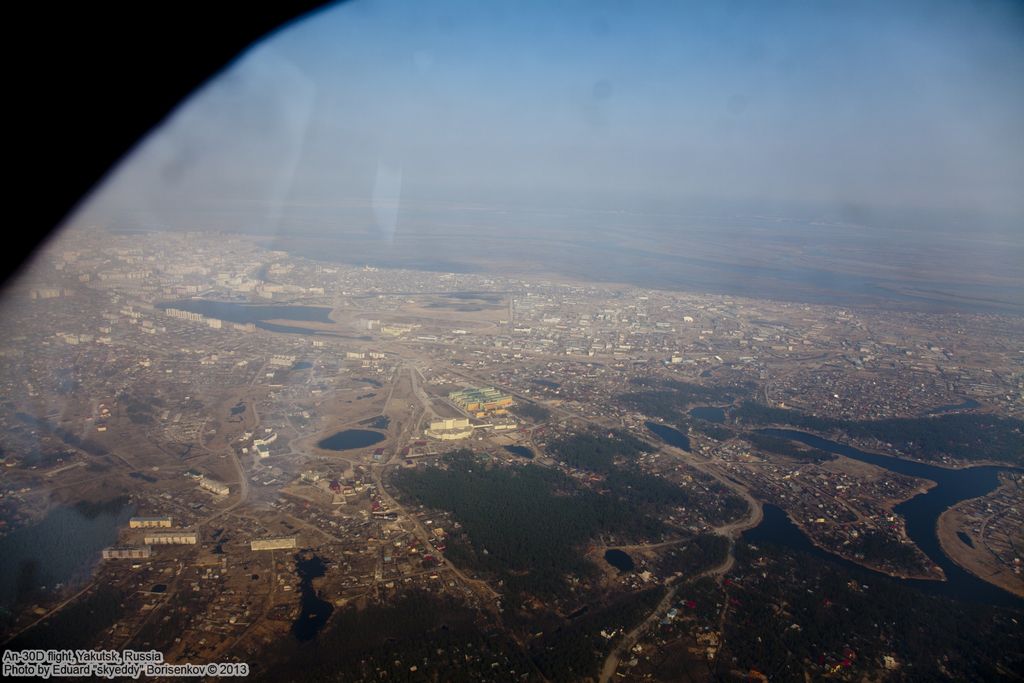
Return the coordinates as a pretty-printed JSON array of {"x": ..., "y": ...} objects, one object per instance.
[
  {"x": 574, "y": 651},
  {"x": 638, "y": 488},
  {"x": 91, "y": 509},
  {"x": 596, "y": 451},
  {"x": 699, "y": 554},
  {"x": 780, "y": 446},
  {"x": 703, "y": 599},
  {"x": 140, "y": 409},
  {"x": 525, "y": 525},
  {"x": 885, "y": 550},
  {"x": 531, "y": 411},
  {"x": 710, "y": 429},
  {"x": 858, "y": 617},
  {"x": 418, "y": 636},
  {"x": 48, "y": 457},
  {"x": 669, "y": 399},
  {"x": 966, "y": 436},
  {"x": 77, "y": 625}
]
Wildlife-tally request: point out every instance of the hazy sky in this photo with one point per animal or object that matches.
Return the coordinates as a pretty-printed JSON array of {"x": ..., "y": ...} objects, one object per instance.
[{"x": 888, "y": 104}]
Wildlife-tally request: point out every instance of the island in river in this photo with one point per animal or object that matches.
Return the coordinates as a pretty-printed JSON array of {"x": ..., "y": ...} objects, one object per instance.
[
  {"x": 944, "y": 488},
  {"x": 984, "y": 535}
]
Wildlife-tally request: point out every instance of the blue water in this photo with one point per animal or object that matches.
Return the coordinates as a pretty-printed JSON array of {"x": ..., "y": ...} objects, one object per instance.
[
  {"x": 670, "y": 435},
  {"x": 258, "y": 314},
  {"x": 619, "y": 559},
  {"x": 314, "y": 611},
  {"x": 921, "y": 514},
  {"x": 349, "y": 439},
  {"x": 250, "y": 313},
  {"x": 969, "y": 404},
  {"x": 521, "y": 451}
]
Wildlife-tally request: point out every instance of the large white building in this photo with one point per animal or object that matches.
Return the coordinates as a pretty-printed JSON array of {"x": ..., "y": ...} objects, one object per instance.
[
  {"x": 279, "y": 543},
  {"x": 150, "y": 522},
  {"x": 127, "y": 552},
  {"x": 171, "y": 538},
  {"x": 450, "y": 429},
  {"x": 214, "y": 486}
]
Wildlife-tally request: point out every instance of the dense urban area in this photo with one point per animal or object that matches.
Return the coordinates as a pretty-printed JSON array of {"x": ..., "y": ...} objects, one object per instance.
[{"x": 235, "y": 454}]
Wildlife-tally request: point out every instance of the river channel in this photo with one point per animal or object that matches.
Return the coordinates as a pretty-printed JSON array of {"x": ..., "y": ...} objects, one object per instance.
[{"x": 920, "y": 512}]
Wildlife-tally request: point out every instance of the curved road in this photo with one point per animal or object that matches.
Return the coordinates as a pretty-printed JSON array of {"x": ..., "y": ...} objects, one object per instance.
[{"x": 731, "y": 530}]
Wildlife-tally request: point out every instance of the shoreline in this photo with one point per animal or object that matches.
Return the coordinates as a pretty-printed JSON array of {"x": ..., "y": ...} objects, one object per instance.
[
  {"x": 946, "y": 528},
  {"x": 865, "y": 565},
  {"x": 953, "y": 467}
]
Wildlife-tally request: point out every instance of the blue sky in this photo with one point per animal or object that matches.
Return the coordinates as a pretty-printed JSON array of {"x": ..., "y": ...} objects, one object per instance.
[{"x": 893, "y": 105}]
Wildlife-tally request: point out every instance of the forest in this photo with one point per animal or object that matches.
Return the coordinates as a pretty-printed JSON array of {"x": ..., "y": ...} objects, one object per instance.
[
  {"x": 696, "y": 555},
  {"x": 75, "y": 626},
  {"x": 711, "y": 430},
  {"x": 627, "y": 482},
  {"x": 417, "y": 636},
  {"x": 965, "y": 436},
  {"x": 596, "y": 452},
  {"x": 422, "y": 636},
  {"x": 670, "y": 399},
  {"x": 527, "y": 525},
  {"x": 531, "y": 411},
  {"x": 887, "y": 551},
  {"x": 574, "y": 650},
  {"x": 792, "y": 613},
  {"x": 790, "y": 449}
]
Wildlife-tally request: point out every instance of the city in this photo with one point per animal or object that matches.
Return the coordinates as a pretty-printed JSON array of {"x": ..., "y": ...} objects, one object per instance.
[{"x": 263, "y": 448}]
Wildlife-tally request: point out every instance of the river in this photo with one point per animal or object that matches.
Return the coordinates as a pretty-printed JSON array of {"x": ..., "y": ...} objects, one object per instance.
[{"x": 920, "y": 512}]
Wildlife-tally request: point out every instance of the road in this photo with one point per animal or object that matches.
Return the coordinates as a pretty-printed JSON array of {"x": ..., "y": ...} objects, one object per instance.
[
  {"x": 409, "y": 432},
  {"x": 490, "y": 595},
  {"x": 732, "y": 530},
  {"x": 50, "y": 613}
]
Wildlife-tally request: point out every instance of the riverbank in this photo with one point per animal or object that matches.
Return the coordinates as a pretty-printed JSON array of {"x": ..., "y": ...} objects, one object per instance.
[
  {"x": 878, "y": 449},
  {"x": 921, "y": 514},
  {"x": 937, "y": 575},
  {"x": 977, "y": 560}
]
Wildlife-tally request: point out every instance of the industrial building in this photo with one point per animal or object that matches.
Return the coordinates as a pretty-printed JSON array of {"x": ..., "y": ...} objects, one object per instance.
[
  {"x": 127, "y": 552},
  {"x": 150, "y": 522},
  {"x": 279, "y": 543},
  {"x": 214, "y": 486},
  {"x": 262, "y": 446},
  {"x": 480, "y": 402},
  {"x": 171, "y": 538},
  {"x": 450, "y": 429}
]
